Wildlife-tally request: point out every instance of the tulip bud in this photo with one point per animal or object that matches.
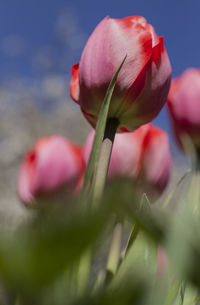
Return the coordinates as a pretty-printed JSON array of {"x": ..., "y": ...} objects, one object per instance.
[
  {"x": 49, "y": 170},
  {"x": 155, "y": 163},
  {"x": 125, "y": 154},
  {"x": 184, "y": 107},
  {"x": 143, "y": 155},
  {"x": 143, "y": 82}
]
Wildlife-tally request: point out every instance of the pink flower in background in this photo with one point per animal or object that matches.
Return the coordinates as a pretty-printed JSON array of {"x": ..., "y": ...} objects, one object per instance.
[
  {"x": 143, "y": 154},
  {"x": 52, "y": 165},
  {"x": 143, "y": 82},
  {"x": 162, "y": 266},
  {"x": 155, "y": 162},
  {"x": 184, "y": 106},
  {"x": 123, "y": 161}
]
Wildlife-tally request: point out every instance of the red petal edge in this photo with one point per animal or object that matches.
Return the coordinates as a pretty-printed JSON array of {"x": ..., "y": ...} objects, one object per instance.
[
  {"x": 157, "y": 51},
  {"x": 74, "y": 84}
]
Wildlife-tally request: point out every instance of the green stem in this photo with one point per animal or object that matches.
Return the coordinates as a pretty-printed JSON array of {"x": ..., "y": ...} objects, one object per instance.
[
  {"x": 99, "y": 281},
  {"x": 17, "y": 301},
  {"x": 84, "y": 271},
  {"x": 194, "y": 195},
  {"x": 182, "y": 293},
  {"x": 172, "y": 293},
  {"x": 114, "y": 254},
  {"x": 101, "y": 171},
  {"x": 97, "y": 188},
  {"x": 100, "y": 129}
]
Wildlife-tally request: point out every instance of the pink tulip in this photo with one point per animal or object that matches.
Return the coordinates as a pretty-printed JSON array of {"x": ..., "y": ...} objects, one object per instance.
[
  {"x": 52, "y": 166},
  {"x": 121, "y": 159},
  {"x": 143, "y": 82},
  {"x": 155, "y": 163},
  {"x": 143, "y": 154},
  {"x": 184, "y": 106}
]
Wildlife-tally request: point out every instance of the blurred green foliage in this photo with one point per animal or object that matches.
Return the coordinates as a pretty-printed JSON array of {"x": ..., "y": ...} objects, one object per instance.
[{"x": 39, "y": 262}]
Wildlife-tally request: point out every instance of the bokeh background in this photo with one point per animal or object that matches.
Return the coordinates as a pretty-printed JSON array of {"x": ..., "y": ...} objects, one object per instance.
[{"x": 39, "y": 41}]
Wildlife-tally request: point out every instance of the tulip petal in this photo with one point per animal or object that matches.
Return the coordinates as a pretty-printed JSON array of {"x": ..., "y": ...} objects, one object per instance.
[
  {"x": 91, "y": 118},
  {"x": 53, "y": 163},
  {"x": 143, "y": 82},
  {"x": 156, "y": 158},
  {"x": 56, "y": 164},
  {"x": 183, "y": 106},
  {"x": 146, "y": 97},
  {"x": 133, "y": 92},
  {"x": 25, "y": 177},
  {"x": 103, "y": 53},
  {"x": 143, "y": 155},
  {"x": 184, "y": 90},
  {"x": 74, "y": 84}
]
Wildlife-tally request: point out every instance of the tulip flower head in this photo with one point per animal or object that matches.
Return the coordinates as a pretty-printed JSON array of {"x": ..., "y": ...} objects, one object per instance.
[
  {"x": 143, "y": 155},
  {"x": 52, "y": 167},
  {"x": 184, "y": 108},
  {"x": 143, "y": 82},
  {"x": 155, "y": 162},
  {"x": 125, "y": 154}
]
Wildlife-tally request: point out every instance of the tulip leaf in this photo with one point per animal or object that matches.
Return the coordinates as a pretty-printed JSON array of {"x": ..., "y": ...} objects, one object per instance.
[
  {"x": 178, "y": 190},
  {"x": 132, "y": 290},
  {"x": 126, "y": 203},
  {"x": 190, "y": 297},
  {"x": 182, "y": 244},
  {"x": 37, "y": 253},
  {"x": 184, "y": 295},
  {"x": 135, "y": 230},
  {"x": 141, "y": 257},
  {"x": 100, "y": 129},
  {"x": 194, "y": 195},
  {"x": 40, "y": 254}
]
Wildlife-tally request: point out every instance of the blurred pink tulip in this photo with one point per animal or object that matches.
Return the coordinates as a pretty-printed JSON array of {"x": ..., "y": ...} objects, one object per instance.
[
  {"x": 125, "y": 154},
  {"x": 143, "y": 82},
  {"x": 184, "y": 106},
  {"x": 54, "y": 165},
  {"x": 155, "y": 163},
  {"x": 143, "y": 154},
  {"x": 162, "y": 266}
]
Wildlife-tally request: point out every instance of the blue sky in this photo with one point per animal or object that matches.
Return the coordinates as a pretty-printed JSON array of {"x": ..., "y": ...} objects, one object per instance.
[
  {"x": 178, "y": 21},
  {"x": 32, "y": 24}
]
